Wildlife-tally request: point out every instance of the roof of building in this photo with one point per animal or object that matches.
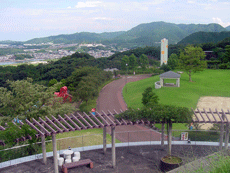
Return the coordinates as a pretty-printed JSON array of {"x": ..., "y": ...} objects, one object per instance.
[{"x": 170, "y": 74}]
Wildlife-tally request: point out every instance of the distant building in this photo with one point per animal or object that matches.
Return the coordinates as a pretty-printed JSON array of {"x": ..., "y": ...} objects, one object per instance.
[
  {"x": 112, "y": 69},
  {"x": 164, "y": 51},
  {"x": 210, "y": 55}
]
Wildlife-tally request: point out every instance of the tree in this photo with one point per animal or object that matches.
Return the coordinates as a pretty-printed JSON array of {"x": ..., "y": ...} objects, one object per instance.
[
  {"x": 87, "y": 90},
  {"x": 132, "y": 62},
  {"x": 226, "y": 57},
  {"x": 27, "y": 100},
  {"x": 191, "y": 60},
  {"x": 159, "y": 113},
  {"x": 144, "y": 61},
  {"x": 52, "y": 82},
  {"x": 124, "y": 61},
  {"x": 149, "y": 97},
  {"x": 165, "y": 67},
  {"x": 173, "y": 61}
]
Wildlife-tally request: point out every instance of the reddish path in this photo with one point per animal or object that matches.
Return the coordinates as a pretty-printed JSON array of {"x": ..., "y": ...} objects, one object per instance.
[{"x": 111, "y": 98}]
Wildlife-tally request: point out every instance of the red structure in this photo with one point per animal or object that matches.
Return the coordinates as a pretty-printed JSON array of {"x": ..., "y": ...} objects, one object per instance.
[{"x": 63, "y": 93}]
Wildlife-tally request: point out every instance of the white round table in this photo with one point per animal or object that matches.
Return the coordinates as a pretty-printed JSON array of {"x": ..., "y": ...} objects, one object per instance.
[{"x": 68, "y": 153}]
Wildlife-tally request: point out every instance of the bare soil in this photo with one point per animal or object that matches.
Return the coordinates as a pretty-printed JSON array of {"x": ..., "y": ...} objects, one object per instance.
[{"x": 214, "y": 103}]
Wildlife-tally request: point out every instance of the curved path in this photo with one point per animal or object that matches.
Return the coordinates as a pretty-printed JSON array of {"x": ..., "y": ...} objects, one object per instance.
[{"x": 111, "y": 98}]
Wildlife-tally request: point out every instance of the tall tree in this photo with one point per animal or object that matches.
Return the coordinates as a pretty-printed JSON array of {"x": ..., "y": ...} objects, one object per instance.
[
  {"x": 192, "y": 59},
  {"x": 132, "y": 62},
  {"x": 87, "y": 90},
  {"x": 173, "y": 61},
  {"x": 144, "y": 61},
  {"x": 124, "y": 61},
  {"x": 226, "y": 57}
]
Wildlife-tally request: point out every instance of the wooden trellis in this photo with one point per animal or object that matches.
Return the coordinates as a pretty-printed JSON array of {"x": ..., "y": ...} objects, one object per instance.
[
  {"x": 204, "y": 116},
  {"x": 52, "y": 126}
]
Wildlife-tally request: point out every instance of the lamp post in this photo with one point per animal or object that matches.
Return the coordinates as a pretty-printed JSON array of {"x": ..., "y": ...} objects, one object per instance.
[{"x": 126, "y": 77}]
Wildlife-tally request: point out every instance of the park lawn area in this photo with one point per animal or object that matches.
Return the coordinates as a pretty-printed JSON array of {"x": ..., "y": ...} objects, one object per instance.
[
  {"x": 81, "y": 138},
  {"x": 206, "y": 83}
]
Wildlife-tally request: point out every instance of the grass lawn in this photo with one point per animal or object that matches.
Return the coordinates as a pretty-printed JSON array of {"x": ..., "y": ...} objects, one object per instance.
[
  {"x": 206, "y": 83},
  {"x": 81, "y": 138}
]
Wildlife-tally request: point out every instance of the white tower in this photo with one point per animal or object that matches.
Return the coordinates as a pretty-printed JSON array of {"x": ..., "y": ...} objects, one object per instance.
[{"x": 164, "y": 51}]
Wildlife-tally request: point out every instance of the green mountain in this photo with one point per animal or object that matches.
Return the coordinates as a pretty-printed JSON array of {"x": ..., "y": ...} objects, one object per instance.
[
  {"x": 11, "y": 42},
  {"x": 81, "y": 37},
  {"x": 148, "y": 34},
  {"x": 228, "y": 28},
  {"x": 151, "y": 33},
  {"x": 205, "y": 37}
]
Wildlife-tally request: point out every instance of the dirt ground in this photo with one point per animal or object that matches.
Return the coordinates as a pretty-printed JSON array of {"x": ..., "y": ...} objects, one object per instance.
[
  {"x": 138, "y": 159},
  {"x": 218, "y": 103}
]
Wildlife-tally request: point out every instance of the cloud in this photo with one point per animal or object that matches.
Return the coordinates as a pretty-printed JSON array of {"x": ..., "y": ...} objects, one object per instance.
[
  {"x": 102, "y": 18},
  {"x": 191, "y": 2},
  {"x": 131, "y": 6},
  {"x": 88, "y": 4},
  {"x": 219, "y": 21}
]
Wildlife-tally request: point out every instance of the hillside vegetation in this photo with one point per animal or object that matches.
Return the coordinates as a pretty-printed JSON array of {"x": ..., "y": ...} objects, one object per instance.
[
  {"x": 148, "y": 34},
  {"x": 83, "y": 37},
  {"x": 205, "y": 37}
]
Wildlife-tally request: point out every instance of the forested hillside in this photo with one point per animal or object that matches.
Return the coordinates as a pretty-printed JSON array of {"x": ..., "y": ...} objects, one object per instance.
[
  {"x": 228, "y": 28},
  {"x": 83, "y": 37},
  {"x": 151, "y": 33},
  {"x": 148, "y": 34},
  {"x": 205, "y": 37}
]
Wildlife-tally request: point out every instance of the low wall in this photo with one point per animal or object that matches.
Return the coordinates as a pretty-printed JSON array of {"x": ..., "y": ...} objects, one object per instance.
[{"x": 157, "y": 85}]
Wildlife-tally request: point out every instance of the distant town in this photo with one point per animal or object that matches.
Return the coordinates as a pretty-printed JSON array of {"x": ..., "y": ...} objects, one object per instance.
[{"x": 50, "y": 51}]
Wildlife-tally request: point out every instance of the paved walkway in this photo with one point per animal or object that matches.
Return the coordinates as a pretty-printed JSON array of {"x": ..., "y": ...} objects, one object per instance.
[{"x": 111, "y": 98}]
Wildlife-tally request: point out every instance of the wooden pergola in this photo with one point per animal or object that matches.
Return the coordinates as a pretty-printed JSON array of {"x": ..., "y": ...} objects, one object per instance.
[{"x": 61, "y": 124}]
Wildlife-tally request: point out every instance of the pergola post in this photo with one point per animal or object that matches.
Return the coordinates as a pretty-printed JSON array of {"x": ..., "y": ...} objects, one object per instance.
[
  {"x": 43, "y": 139},
  {"x": 226, "y": 136},
  {"x": 113, "y": 146},
  {"x": 162, "y": 82},
  {"x": 162, "y": 134},
  {"x": 104, "y": 140},
  {"x": 178, "y": 82},
  {"x": 44, "y": 149},
  {"x": 169, "y": 138},
  {"x": 221, "y": 136},
  {"x": 55, "y": 152}
]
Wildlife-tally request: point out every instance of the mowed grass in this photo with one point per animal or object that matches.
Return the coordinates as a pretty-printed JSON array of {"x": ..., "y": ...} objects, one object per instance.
[
  {"x": 206, "y": 83},
  {"x": 81, "y": 138}
]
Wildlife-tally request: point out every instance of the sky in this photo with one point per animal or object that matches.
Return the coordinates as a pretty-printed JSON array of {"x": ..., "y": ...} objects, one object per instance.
[{"x": 21, "y": 20}]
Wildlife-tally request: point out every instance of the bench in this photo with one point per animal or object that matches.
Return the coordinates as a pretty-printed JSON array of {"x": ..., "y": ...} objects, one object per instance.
[{"x": 76, "y": 164}]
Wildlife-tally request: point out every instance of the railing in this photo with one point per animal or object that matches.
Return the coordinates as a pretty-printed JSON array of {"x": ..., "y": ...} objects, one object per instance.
[{"x": 18, "y": 154}]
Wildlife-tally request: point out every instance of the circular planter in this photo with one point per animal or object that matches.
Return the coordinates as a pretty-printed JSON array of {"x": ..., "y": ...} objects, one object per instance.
[{"x": 170, "y": 162}]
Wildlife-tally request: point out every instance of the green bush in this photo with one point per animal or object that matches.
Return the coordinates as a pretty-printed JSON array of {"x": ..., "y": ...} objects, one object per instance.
[{"x": 204, "y": 136}]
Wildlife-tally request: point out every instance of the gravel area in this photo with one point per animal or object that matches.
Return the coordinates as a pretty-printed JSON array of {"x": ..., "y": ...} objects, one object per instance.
[{"x": 137, "y": 159}]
